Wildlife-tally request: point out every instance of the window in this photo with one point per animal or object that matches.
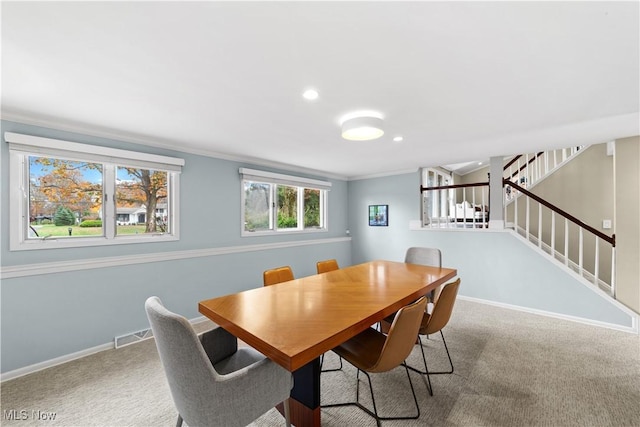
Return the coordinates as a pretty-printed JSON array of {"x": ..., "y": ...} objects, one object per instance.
[
  {"x": 65, "y": 194},
  {"x": 276, "y": 203}
]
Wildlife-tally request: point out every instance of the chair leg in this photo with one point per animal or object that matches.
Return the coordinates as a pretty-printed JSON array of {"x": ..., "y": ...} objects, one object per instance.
[
  {"x": 332, "y": 369},
  {"x": 426, "y": 369},
  {"x": 450, "y": 371},
  {"x": 287, "y": 413},
  {"x": 179, "y": 422},
  {"x": 374, "y": 413}
]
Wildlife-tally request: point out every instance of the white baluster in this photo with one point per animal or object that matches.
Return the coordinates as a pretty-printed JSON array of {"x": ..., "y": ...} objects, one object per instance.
[
  {"x": 553, "y": 234},
  {"x": 464, "y": 209},
  {"x": 483, "y": 212},
  {"x": 546, "y": 162},
  {"x": 597, "y": 262},
  {"x": 613, "y": 272},
  {"x": 515, "y": 211},
  {"x": 527, "y": 218},
  {"x": 581, "y": 250},
  {"x": 566, "y": 242},
  {"x": 540, "y": 225}
]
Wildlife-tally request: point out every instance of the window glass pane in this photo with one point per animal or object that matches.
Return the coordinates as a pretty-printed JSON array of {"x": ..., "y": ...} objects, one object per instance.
[
  {"x": 141, "y": 201},
  {"x": 272, "y": 207},
  {"x": 287, "y": 207},
  {"x": 65, "y": 198},
  {"x": 257, "y": 206},
  {"x": 312, "y": 210}
]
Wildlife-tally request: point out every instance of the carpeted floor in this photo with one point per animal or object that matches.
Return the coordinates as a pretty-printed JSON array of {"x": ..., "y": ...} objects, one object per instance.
[{"x": 511, "y": 369}]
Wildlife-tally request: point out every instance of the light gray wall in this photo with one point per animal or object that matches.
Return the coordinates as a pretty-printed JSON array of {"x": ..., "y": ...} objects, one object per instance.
[
  {"x": 402, "y": 194},
  {"x": 494, "y": 265},
  {"x": 52, "y": 315}
]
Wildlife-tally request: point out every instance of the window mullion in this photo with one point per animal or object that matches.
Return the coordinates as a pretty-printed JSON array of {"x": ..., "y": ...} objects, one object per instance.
[
  {"x": 273, "y": 214},
  {"x": 109, "y": 201},
  {"x": 300, "y": 208},
  {"x": 324, "y": 223}
]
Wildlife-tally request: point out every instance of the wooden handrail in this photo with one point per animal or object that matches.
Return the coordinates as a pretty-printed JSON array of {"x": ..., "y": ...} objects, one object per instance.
[
  {"x": 610, "y": 239},
  {"x": 515, "y": 159},
  {"x": 453, "y": 187},
  {"x": 531, "y": 160}
]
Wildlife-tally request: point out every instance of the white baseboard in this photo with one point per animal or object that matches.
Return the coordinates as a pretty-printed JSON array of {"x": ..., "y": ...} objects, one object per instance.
[
  {"x": 633, "y": 329},
  {"x": 54, "y": 362},
  {"x": 71, "y": 357}
]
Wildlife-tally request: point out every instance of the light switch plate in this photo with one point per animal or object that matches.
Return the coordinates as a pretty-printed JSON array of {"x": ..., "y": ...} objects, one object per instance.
[{"x": 606, "y": 224}]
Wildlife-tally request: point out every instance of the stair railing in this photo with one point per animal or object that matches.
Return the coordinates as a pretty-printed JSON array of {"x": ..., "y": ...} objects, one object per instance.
[
  {"x": 547, "y": 240},
  {"x": 441, "y": 209},
  {"x": 527, "y": 169}
]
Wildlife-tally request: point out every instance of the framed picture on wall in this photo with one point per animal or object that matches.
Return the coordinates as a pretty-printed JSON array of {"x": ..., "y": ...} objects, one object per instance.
[{"x": 379, "y": 215}]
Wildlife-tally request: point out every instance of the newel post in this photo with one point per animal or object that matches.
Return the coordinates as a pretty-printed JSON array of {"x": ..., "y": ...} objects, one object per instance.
[{"x": 496, "y": 198}]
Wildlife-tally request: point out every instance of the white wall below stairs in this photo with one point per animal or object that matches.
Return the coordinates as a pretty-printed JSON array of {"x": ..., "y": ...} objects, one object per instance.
[{"x": 500, "y": 267}]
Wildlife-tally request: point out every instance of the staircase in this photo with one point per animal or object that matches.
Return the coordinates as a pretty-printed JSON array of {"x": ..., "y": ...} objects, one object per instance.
[
  {"x": 581, "y": 248},
  {"x": 527, "y": 170}
]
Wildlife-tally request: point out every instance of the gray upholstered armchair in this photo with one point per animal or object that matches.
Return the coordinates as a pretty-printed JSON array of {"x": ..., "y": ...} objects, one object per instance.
[{"x": 212, "y": 381}]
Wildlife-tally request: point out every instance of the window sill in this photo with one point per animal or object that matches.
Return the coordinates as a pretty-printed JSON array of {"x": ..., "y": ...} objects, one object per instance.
[
  {"x": 39, "y": 244},
  {"x": 281, "y": 232}
]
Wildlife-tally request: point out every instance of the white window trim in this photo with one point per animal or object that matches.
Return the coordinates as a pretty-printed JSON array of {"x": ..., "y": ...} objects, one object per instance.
[
  {"x": 22, "y": 146},
  {"x": 424, "y": 196},
  {"x": 281, "y": 179}
]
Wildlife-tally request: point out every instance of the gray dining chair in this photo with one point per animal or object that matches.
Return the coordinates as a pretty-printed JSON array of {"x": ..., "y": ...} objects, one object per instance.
[
  {"x": 424, "y": 256},
  {"x": 212, "y": 381},
  {"x": 431, "y": 257}
]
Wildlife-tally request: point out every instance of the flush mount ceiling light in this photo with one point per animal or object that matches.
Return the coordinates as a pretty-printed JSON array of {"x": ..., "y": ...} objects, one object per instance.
[{"x": 362, "y": 127}]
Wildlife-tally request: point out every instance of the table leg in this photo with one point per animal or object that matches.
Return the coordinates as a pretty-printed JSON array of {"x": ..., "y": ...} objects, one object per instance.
[{"x": 304, "y": 405}]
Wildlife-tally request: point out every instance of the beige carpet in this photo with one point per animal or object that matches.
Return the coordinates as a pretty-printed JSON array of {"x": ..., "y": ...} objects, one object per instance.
[{"x": 511, "y": 369}]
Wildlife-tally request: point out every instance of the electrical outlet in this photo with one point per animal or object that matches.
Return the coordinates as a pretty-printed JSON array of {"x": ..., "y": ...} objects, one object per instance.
[{"x": 606, "y": 224}]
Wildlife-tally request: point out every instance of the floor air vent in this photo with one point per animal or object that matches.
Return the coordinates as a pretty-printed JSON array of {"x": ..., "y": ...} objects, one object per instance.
[{"x": 133, "y": 337}]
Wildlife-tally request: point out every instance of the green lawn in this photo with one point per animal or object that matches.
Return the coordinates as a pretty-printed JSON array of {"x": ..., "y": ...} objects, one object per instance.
[{"x": 63, "y": 231}]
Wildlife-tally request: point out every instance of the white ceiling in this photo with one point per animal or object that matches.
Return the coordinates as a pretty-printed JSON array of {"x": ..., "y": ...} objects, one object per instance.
[{"x": 461, "y": 81}]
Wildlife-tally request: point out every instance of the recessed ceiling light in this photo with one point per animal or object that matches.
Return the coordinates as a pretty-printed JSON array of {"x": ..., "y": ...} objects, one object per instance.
[
  {"x": 398, "y": 139},
  {"x": 310, "y": 94}
]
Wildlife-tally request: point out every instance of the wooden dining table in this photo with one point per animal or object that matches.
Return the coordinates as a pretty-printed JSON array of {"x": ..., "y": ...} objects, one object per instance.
[{"x": 293, "y": 323}]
